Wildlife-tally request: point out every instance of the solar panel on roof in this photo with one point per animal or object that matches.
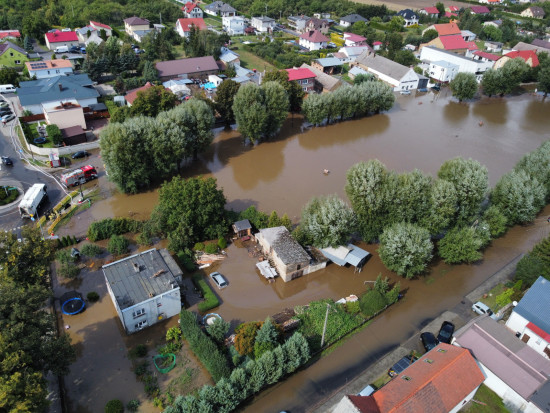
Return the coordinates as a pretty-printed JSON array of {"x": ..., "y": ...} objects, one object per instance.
[{"x": 39, "y": 65}]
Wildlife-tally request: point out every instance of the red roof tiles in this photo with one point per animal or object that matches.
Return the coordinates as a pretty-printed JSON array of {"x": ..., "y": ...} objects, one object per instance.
[
  {"x": 447, "y": 29},
  {"x": 431, "y": 10},
  {"x": 453, "y": 42},
  {"x": 525, "y": 55},
  {"x": 132, "y": 94},
  {"x": 59, "y": 36},
  {"x": 9, "y": 33},
  {"x": 186, "y": 24},
  {"x": 189, "y": 6},
  {"x": 488, "y": 56},
  {"x": 299, "y": 74},
  {"x": 103, "y": 26},
  {"x": 480, "y": 9},
  {"x": 314, "y": 36}
]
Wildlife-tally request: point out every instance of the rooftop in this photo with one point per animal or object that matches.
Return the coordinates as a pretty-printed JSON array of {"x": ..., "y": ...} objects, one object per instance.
[
  {"x": 9, "y": 45},
  {"x": 407, "y": 14},
  {"x": 286, "y": 248},
  {"x": 486, "y": 55},
  {"x": 185, "y": 66},
  {"x": 299, "y": 74},
  {"x": 480, "y": 9},
  {"x": 328, "y": 82},
  {"x": 101, "y": 25},
  {"x": 187, "y": 23},
  {"x": 242, "y": 225},
  {"x": 525, "y": 55},
  {"x": 329, "y": 61},
  {"x": 314, "y": 36},
  {"x": 431, "y": 10},
  {"x": 535, "y": 304},
  {"x": 48, "y": 64},
  {"x": 60, "y": 106},
  {"x": 132, "y": 94},
  {"x": 58, "y": 88},
  {"x": 9, "y": 33},
  {"x": 447, "y": 29},
  {"x": 59, "y": 36},
  {"x": 136, "y": 21},
  {"x": 453, "y": 42},
  {"x": 352, "y": 37},
  {"x": 383, "y": 65},
  {"x": 189, "y": 6},
  {"x": 353, "y": 18},
  {"x": 72, "y": 131}
]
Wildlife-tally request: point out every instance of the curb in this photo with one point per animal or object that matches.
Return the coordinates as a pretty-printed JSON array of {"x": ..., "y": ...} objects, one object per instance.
[{"x": 13, "y": 203}]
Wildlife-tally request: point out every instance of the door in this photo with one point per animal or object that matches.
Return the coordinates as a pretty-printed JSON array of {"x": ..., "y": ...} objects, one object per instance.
[{"x": 525, "y": 338}]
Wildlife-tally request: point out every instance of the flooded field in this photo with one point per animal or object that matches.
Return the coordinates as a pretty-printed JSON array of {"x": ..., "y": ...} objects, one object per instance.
[{"x": 419, "y": 132}]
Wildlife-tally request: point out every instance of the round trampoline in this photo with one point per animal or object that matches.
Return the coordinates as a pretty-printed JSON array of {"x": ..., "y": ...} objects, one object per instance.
[
  {"x": 209, "y": 319},
  {"x": 72, "y": 303}
]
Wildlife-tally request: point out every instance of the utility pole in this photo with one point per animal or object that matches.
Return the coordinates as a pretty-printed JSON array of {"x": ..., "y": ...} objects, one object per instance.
[
  {"x": 266, "y": 9},
  {"x": 325, "y": 326}
]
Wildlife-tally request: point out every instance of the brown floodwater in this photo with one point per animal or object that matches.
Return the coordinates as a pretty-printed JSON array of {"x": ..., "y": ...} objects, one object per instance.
[{"x": 283, "y": 174}]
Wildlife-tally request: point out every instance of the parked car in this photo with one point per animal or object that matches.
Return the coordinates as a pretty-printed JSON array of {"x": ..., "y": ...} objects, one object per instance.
[
  {"x": 218, "y": 279},
  {"x": 7, "y": 118},
  {"x": 5, "y": 112},
  {"x": 367, "y": 391},
  {"x": 428, "y": 340},
  {"x": 6, "y": 160},
  {"x": 481, "y": 308},
  {"x": 74, "y": 49},
  {"x": 405, "y": 92},
  {"x": 446, "y": 332},
  {"x": 4, "y": 104},
  {"x": 401, "y": 365},
  {"x": 80, "y": 154}
]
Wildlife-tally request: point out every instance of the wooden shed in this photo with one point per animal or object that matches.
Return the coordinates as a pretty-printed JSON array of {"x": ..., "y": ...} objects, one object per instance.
[{"x": 242, "y": 228}]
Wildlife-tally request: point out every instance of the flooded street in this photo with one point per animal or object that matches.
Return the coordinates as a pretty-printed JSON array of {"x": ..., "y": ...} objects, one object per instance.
[{"x": 419, "y": 132}]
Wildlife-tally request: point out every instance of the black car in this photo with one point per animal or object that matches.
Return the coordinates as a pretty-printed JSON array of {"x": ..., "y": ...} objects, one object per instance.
[
  {"x": 428, "y": 340},
  {"x": 446, "y": 332},
  {"x": 5, "y": 111},
  {"x": 80, "y": 154},
  {"x": 6, "y": 160},
  {"x": 401, "y": 365},
  {"x": 74, "y": 49}
]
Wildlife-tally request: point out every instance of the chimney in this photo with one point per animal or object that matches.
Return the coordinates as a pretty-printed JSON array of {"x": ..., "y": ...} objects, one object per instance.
[
  {"x": 60, "y": 87},
  {"x": 136, "y": 266}
]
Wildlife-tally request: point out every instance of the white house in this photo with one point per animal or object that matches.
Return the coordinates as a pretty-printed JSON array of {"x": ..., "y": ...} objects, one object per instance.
[
  {"x": 192, "y": 10},
  {"x": 313, "y": 40},
  {"x": 530, "y": 319},
  {"x": 353, "y": 52},
  {"x": 184, "y": 26},
  {"x": 512, "y": 369},
  {"x": 410, "y": 17},
  {"x": 100, "y": 26},
  {"x": 233, "y": 25},
  {"x": 298, "y": 23},
  {"x": 350, "y": 19},
  {"x": 395, "y": 74},
  {"x": 59, "y": 38},
  {"x": 263, "y": 24},
  {"x": 49, "y": 68},
  {"x": 352, "y": 39},
  {"x": 442, "y": 71},
  {"x": 219, "y": 8},
  {"x": 144, "y": 288},
  {"x": 431, "y": 54}
]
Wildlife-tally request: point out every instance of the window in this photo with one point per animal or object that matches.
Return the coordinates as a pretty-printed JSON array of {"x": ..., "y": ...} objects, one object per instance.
[
  {"x": 140, "y": 325},
  {"x": 138, "y": 313},
  {"x": 547, "y": 351},
  {"x": 17, "y": 62},
  {"x": 11, "y": 54},
  {"x": 57, "y": 71}
]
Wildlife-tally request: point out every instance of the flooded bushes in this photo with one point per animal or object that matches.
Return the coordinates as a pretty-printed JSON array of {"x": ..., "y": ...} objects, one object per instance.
[
  {"x": 91, "y": 250},
  {"x": 118, "y": 245},
  {"x": 210, "y": 299},
  {"x": 114, "y": 406},
  {"x": 108, "y": 227},
  {"x": 204, "y": 348}
]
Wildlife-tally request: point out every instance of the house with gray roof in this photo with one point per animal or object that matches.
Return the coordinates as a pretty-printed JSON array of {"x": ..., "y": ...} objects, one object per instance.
[
  {"x": 219, "y": 8},
  {"x": 348, "y": 20},
  {"x": 410, "y": 17},
  {"x": 144, "y": 288},
  {"x": 512, "y": 369},
  {"x": 193, "y": 67},
  {"x": 329, "y": 65},
  {"x": 530, "y": 319},
  {"x": 287, "y": 256},
  {"x": 324, "y": 83},
  {"x": 33, "y": 93}
]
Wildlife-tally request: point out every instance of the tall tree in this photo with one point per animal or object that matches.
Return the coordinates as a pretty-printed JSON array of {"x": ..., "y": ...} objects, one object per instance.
[
  {"x": 225, "y": 95},
  {"x": 152, "y": 101},
  {"x": 294, "y": 91},
  {"x": 464, "y": 86},
  {"x": 493, "y": 83},
  {"x": 9, "y": 76},
  {"x": 267, "y": 338},
  {"x": 544, "y": 80},
  {"x": 250, "y": 114},
  {"x": 277, "y": 106},
  {"x": 460, "y": 244}
]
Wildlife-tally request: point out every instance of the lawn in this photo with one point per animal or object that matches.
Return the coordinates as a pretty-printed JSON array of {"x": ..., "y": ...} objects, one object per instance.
[
  {"x": 489, "y": 402},
  {"x": 492, "y": 296},
  {"x": 250, "y": 60}
]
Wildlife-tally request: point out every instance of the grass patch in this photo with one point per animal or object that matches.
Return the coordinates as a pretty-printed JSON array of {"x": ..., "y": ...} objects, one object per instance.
[
  {"x": 493, "y": 403},
  {"x": 381, "y": 381},
  {"x": 251, "y": 61},
  {"x": 9, "y": 196},
  {"x": 210, "y": 299},
  {"x": 492, "y": 296}
]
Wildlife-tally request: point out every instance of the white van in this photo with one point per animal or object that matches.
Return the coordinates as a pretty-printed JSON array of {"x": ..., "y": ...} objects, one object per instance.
[
  {"x": 61, "y": 49},
  {"x": 7, "y": 89}
]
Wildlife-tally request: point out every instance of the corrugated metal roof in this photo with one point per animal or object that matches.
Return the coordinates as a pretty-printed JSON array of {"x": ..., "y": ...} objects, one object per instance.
[
  {"x": 356, "y": 255},
  {"x": 133, "y": 279},
  {"x": 242, "y": 225},
  {"x": 329, "y": 61},
  {"x": 34, "y": 92},
  {"x": 535, "y": 304}
]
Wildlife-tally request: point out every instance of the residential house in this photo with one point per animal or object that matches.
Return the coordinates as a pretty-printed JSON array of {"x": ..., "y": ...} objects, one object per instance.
[
  {"x": 350, "y": 255},
  {"x": 468, "y": 36},
  {"x": 356, "y": 71},
  {"x": 263, "y": 24},
  {"x": 432, "y": 12},
  {"x": 132, "y": 95},
  {"x": 431, "y": 54},
  {"x": 491, "y": 46},
  {"x": 377, "y": 45},
  {"x": 352, "y": 39},
  {"x": 192, "y": 10},
  {"x": 33, "y": 93},
  {"x": 229, "y": 57},
  {"x": 136, "y": 27},
  {"x": 144, "y": 288},
  {"x": 73, "y": 135},
  {"x": 395, "y": 74},
  {"x": 353, "y": 52},
  {"x": 528, "y": 56},
  {"x": 444, "y": 29},
  {"x": 534, "y": 12},
  {"x": 193, "y": 67},
  {"x": 83, "y": 33},
  {"x": 184, "y": 26},
  {"x": 495, "y": 23},
  {"x": 219, "y": 8},
  {"x": 304, "y": 77},
  {"x": 452, "y": 9},
  {"x": 480, "y": 10},
  {"x": 512, "y": 369},
  {"x": 410, "y": 17},
  {"x": 289, "y": 258},
  {"x": 59, "y": 38},
  {"x": 322, "y": 15},
  {"x": 541, "y": 43},
  {"x": 298, "y": 23},
  {"x": 93, "y": 38},
  {"x": 242, "y": 228},
  {"x": 350, "y": 19},
  {"x": 9, "y": 34},
  {"x": 100, "y": 26},
  {"x": 49, "y": 68},
  {"x": 313, "y": 40},
  {"x": 442, "y": 380},
  {"x": 234, "y": 25},
  {"x": 450, "y": 15},
  {"x": 323, "y": 83},
  {"x": 454, "y": 43},
  {"x": 442, "y": 71},
  {"x": 485, "y": 57},
  {"x": 12, "y": 55},
  {"x": 530, "y": 319},
  {"x": 521, "y": 46},
  {"x": 64, "y": 114},
  {"x": 317, "y": 24},
  {"x": 328, "y": 65}
]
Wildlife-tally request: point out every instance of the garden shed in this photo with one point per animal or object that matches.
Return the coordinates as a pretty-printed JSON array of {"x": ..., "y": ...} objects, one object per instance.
[
  {"x": 343, "y": 256},
  {"x": 242, "y": 228}
]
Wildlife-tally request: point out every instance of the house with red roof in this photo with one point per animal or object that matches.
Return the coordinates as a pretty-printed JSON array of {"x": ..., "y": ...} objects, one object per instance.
[
  {"x": 528, "y": 56},
  {"x": 100, "y": 26},
  {"x": 59, "y": 38},
  {"x": 452, "y": 9},
  {"x": 454, "y": 43},
  {"x": 485, "y": 56},
  {"x": 132, "y": 95},
  {"x": 352, "y": 39},
  {"x": 377, "y": 45},
  {"x": 481, "y": 10},
  {"x": 450, "y": 14},
  {"x": 303, "y": 76},
  {"x": 183, "y": 26},
  {"x": 9, "y": 34},
  {"x": 192, "y": 10},
  {"x": 445, "y": 29},
  {"x": 313, "y": 40},
  {"x": 432, "y": 12},
  {"x": 443, "y": 380}
]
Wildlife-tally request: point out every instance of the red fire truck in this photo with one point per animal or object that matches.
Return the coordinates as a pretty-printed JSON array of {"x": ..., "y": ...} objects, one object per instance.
[{"x": 79, "y": 176}]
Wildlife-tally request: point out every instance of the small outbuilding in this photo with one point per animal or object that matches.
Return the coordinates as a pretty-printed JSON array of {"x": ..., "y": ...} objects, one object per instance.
[
  {"x": 144, "y": 288},
  {"x": 343, "y": 256},
  {"x": 242, "y": 228}
]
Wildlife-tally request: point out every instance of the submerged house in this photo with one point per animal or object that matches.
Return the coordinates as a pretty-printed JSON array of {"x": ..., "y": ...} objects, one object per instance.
[{"x": 343, "y": 256}]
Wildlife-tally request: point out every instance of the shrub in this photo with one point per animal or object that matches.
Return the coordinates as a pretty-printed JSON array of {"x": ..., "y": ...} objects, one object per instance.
[
  {"x": 141, "y": 369},
  {"x": 185, "y": 259},
  {"x": 114, "y": 406},
  {"x": 218, "y": 329},
  {"x": 138, "y": 351},
  {"x": 68, "y": 270},
  {"x": 118, "y": 245},
  {"x": 199, "y": 246},
  {"x": 245, "y": 337},
  {"x": 74, "y": 240},
  {"x": 173, "y": 334},
  {"x": 91, "y": 250},
  {"x": 353, "y": 307},
  {"x": 210, "y": 299},
  {"x": 92, "y": 296},
  {"x": 211, "y": 248},
  {"x": 64, "y": 256},
  {"x": 132, "y": 405},
  {"x": 112, "y": 226},
  {"x": 222, "y": 243},
  {"x": 505, "y": 297},
  {"x": 372, "y": 302}
]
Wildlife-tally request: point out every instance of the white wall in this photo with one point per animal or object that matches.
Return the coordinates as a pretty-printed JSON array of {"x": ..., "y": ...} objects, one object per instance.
[
  {"x": 477, "y": 67},
  {"x": 42, "y": 74},
  {"x": 311, "y": 45},
  {"x": 516, "y": 323},
  {"x": 442, "y": 73},
  {"x": 64, "y": 150},
  {"x": 36, "y": 109},
  {"x": 156, "y": 309}
]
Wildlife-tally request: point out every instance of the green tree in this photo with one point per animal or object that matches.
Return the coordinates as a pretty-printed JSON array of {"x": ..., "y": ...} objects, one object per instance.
[
  {"x": 294, "y": 91},
  {"x": 257, "y": 218},
  {"x": 498, "y": 224},
  {"x": 537, "y": 165},
  {"x": 441, "y": 8},
  {"x": 429, "y": 35},
  {"x": 464, "y": 86},
  {"x": 218, "y": 329},
  {"x": 442, "y": 207},
  {"x": 493, "y": 33},
  {"x": 515, "y": 72},
  {"x": 544, "y": 80},
  {"x": 277, "y": 106},
  {"x": 225, "y": 95},
  {"x": 118, "y": 245},
  {"x": 152, "y": 101},
  {"x": 150, "y": 73},
  {"x": 249, "y": 111},
  {"x": 406, "y": 249},
  {"x": 394, "y": 43},
  {"x": 267, "y": 339},
  {"x": 9, "y": 76},
  {"x": 274, "y": 220},
  {"x": 396, "y": 24},
  {"x": 328, "y": 221},
  {"x": 245, "y": 337},
  {"x": 493, "y": 83},
  {"x": 460, "y": 245},
  {"x": 529, "y": 269},
  {"x": 120, "y": 114},
  {"x": 405, "y": 57},
  {"x": 360, "y": 78},
  {"x": 27, "y": 44},
  {"x": 470, "y": 180}
]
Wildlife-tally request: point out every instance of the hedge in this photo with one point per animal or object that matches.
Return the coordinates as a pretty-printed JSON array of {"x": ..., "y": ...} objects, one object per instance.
[
  {"x": 108, "y": 227},
  {"x": 64, "y": 201},
  {"x": 203, "y": 346},
  {"x": 210, "y": 299}
]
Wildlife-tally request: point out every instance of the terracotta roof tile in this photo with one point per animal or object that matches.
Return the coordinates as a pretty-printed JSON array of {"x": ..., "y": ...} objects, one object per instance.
[
  {"x": 447, "y": 29},
  {"x": 314, "y": 36},
  {"x": 59, "y": 36},
  {"x": 525, "y": 55},
  {"x": 453, "y": 42},
  {"x": 186, "y": 24},
  {"x": 299, "y": 74}
]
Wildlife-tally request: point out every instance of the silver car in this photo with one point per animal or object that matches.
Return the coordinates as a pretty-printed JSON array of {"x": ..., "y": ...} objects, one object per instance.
[
  {"x": 481, "y": 309},
  {"x": 218, "y": 280}
]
